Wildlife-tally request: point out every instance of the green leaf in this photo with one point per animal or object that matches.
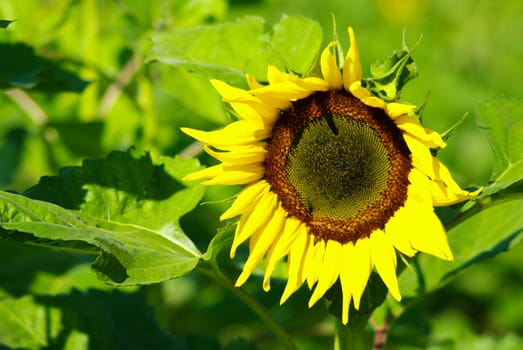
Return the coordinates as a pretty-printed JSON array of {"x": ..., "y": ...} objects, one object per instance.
[
  {"x": 501, "y": 122},
  {"x": 194, "y": 96},
  {"x": 123, "y": 208},
  {"x": 125, "y": 189},
  {"x": 25, "y": 324},
  {"x": 227, "y": 51},
  {"x": 296, "y": 40},
  {"x": 20, "y": 67},
  {"x": 90, "y": 320},
  {"x": 5, "y": 23},
  {"x": 389, "y": 77},
  {"x": 223, "y": 239}
]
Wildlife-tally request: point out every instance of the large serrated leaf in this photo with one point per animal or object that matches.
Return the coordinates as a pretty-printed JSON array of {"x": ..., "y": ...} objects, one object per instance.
[
  {"x": 501, "y": 122},
  {"x": 90, "y": 320},
  {"x": 123, "y": 208},
  {"x": 25, "y": 324},
  {"x": 296, "y": 40},
  {"x": 227, "y": 51},
  {"x": 130, "y": 254}
]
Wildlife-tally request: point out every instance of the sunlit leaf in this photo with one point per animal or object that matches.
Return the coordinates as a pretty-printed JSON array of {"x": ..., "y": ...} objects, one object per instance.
[
  {"x": 223, "y": 239},
  {"x": 123, "y": 208},
  {"x": 25, "y": 324},
  {"x": 296, "y": 41},
  {"x": 227, "y": 51},
  {"x": 87, "y": 320},
  {"x": 501, "y": 122}
]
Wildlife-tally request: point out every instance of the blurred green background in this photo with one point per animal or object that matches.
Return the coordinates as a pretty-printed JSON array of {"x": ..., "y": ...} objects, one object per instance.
[{"x": 75, "y": 84}]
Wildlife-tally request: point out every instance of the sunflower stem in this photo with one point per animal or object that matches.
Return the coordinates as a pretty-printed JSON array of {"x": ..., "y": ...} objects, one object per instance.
[
  {"x": 480, "y": 205},
  {"x": 348, "y": 337},
  {"x": 279, "y": 332}
]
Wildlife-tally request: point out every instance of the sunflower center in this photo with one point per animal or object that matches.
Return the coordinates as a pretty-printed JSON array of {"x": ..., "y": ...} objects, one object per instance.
[{"x": 338, "y": 165}]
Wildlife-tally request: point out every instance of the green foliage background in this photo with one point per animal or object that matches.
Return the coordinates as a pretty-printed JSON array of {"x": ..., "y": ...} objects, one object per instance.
[{"x": 113, "y": 81}]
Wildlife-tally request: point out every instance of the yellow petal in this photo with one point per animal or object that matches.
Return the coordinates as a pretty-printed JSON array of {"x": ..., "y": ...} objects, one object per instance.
[
  {"x": 234, "y": 134},
  {"x": 445, "y": 191},
  {"x": 265, "y": 238},
  {"x": 420, "y": 154},
  {"x": 400, "y": 226},
  {"x": 352, "y": 65},
  {"x": 240, "y": 155},
  {"x": 312, "y": 84},
  {"x": 419, "y": 187},
  {"x": 329, "y": 68},
  {"x": 237, "y": 175},
  {"x": 281, "y": 248},
  {"x": 246, "y": 199},
  {"x": 252, "y": 221},
  {"x": 280, "y": 95},
  {"x": 275, "y": 76},
  {"x": 412, "y": 126},
  {"x": 424, "y": 229},
  {"x": 361, "y": 265},
  {"x": 313, "y": 265},
  {"x": 206, "y": 173},
  {"x": 346, "y": 281},
  {"x": 228, "y": 92},
  {"x": 365, "y": 96},
  {"x": 228, "y": 175},
  {"x": 300, "y": 252},
  {"x": 244, "y": 103},
  {"x": 252, "y": 82},
  {"x": 383, "y": 257},
  {"x": 395, "y": 110},
  {"x": 256, "y": 111},
  {"x": 330, "y": 270},
  {"x": 373, "y": 101},
  {"x": 395, "y": 229}
]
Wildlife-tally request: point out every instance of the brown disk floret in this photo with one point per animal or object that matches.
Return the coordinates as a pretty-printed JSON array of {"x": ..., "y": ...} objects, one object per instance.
[{"x": 338, "y": 165}]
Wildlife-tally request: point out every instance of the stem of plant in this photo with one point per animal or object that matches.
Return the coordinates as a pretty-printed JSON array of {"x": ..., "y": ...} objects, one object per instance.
[
  {"x": 380, "y": 337},
  {"x": 279, "y": 332},
  {"x": 479, "y": 206}
]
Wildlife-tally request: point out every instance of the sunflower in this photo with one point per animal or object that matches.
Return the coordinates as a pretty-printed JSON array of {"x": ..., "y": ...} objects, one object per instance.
[{"x": 337, "y": 180}]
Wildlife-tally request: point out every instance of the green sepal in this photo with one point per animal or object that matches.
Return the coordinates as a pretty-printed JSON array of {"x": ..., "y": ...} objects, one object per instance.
[{"x": 389, "y": 77}]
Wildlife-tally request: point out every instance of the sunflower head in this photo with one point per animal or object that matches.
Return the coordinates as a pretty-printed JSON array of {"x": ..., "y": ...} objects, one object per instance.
[{"x": 338, "y": 179}]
